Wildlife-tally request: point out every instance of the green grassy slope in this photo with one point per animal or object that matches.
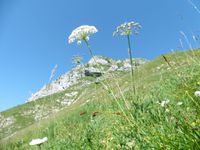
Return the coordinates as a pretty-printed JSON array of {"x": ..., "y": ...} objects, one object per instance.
[{"x": 109, "y": 116}]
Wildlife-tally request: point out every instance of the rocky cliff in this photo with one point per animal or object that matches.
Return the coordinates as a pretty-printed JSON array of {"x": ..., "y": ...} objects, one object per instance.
[{"x": 97, "y": 66}]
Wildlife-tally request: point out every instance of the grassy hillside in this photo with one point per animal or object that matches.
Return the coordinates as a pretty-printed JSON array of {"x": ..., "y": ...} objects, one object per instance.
[
  {"x": 163, "y": 114},
  {"x": 52, "y": 99}
]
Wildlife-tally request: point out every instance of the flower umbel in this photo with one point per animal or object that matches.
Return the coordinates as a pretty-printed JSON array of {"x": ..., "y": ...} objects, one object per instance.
[
  {"x": 38, "y": 141},
  {"x": 127, "y": 28},
  {"x": 81, "y": 33}
]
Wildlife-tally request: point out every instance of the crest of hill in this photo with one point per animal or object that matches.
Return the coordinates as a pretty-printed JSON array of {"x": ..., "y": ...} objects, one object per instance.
[{"x": 96, "y": 66}]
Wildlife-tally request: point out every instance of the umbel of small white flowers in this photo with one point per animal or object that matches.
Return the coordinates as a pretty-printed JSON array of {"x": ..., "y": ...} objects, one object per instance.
[
  {"x": 81, "y": 33},
  {"x": 128, "y": 28},
  {"x": 38, "y": 141}
]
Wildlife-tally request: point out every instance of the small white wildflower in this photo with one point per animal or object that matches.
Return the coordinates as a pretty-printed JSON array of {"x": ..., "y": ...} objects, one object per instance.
[
  {"x": 38, "y": 141},
  {"x": 179, "y": 103},
  {"x": 158, "y": 68},
  {"x": 197, "y": 93},
  {"x": 127, "y": 28},
  {"x": 130, "y": 144},
  {"x": 82, "y": 33},
  {"x": 163, "y": 103},
  {"x": 167, "y": 110}
]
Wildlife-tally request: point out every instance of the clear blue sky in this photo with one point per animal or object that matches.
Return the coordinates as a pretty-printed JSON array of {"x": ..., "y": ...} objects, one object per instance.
[{"x": 33, "y": 36}]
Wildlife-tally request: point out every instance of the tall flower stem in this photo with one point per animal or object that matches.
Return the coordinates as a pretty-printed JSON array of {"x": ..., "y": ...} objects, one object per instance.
[
  {"x": 91, "y": 53},
  {"x": 39, "y": 146},
  {"x": 131, "y": 61},
  {"x": 89, "y": 48}
]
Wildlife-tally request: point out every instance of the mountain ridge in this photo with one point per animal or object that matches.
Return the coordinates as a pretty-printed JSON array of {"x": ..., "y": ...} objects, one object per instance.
[{"x": 71, "y": 77}]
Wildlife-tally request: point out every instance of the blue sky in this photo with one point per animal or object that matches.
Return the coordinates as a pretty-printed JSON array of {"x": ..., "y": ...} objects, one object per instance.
[{"x": 33, "y": 36}]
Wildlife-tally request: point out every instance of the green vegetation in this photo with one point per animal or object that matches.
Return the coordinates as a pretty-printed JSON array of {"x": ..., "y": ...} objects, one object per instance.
[{"x": 165, "y": 114}]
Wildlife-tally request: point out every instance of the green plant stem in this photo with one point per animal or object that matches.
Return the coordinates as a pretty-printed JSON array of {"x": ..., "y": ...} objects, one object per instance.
[
  {"x": 89, "y": 48},
  {"x": 131, "y": 61},
  {"x": 91, "y": 53},
  {"x": 39, "y": 147}
]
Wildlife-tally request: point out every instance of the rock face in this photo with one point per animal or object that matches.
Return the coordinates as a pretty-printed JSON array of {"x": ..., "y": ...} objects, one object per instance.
[
  {"x": 62, "y": 83},
  {"x": 96, "y": 67}
]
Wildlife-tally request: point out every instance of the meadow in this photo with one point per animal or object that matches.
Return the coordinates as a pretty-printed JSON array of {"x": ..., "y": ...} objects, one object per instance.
[{"x": 163, "y": 114}]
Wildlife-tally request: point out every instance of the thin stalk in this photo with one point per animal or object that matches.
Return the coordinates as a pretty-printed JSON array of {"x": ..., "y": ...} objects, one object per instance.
[
  {"x": 131, "y": 61},
  {"x": 108, "y": 86},
  {"x": 92, "y": 55},
  {"x": 193, "y": 99},
  {"x": 124, "y": 99},
  {"x": 89, "y": 48},
  {"x": 172, "y": 67},
  {"x": 183, "y": 79},
  {"x": 165, "y": 58},
  {"x": 39, "y": 146},
  {"x": 115, "y": 98}
]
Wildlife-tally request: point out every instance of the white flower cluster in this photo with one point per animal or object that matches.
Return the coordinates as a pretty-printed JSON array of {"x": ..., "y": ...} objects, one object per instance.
[
  {"x": 197, "y": 93},
  {"x": 38, "y": 141},
  {"x": 163, "y": 103},
  {"x": 127, "y": 28},
  {"x": 81, "y": 33}
]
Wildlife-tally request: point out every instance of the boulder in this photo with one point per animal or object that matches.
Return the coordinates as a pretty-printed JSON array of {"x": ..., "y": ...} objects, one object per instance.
[{"x": 93, "y": 72}]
